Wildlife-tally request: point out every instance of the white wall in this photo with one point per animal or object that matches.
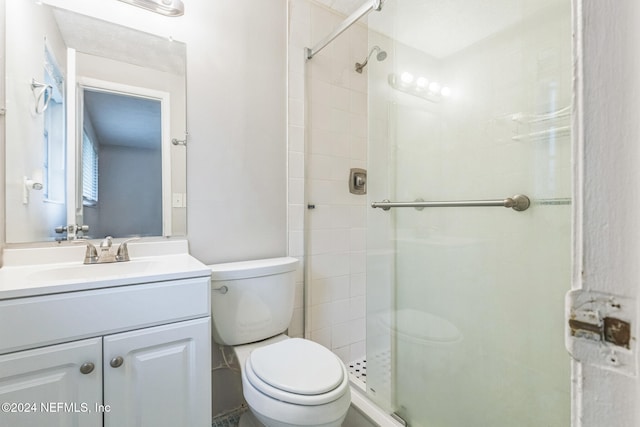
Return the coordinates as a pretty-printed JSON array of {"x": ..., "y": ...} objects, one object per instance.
[
  {"x": 607, "y": 227},
  {"x": 36, "y": 220},
  {"x": 237, "y": 125},
  {"x": 2, "y": 128}
]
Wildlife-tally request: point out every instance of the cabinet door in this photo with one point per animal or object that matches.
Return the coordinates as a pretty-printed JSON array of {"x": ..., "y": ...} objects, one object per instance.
[
  {"x": 59, "y": 385},
  {"x": 159, "y": 377}
]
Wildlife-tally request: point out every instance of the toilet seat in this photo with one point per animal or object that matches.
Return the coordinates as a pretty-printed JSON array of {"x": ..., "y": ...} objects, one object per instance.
[{"x": 297, "y": 371}]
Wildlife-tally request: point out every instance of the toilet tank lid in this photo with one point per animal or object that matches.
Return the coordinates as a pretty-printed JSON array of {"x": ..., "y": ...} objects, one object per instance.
[{"x": 254, "y": 268}]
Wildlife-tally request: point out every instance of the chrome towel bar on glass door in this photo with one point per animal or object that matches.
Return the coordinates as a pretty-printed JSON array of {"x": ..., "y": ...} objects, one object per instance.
[{"x": 518, "y": 203}]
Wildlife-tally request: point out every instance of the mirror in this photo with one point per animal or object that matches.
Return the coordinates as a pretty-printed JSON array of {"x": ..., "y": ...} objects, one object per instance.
[{"x": 92, "y": 109}]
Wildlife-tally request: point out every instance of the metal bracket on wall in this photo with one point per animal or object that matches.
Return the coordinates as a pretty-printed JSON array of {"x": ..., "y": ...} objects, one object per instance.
[
  {"x": 600, "y": 330},
  {"x": 183, "y": 142}
]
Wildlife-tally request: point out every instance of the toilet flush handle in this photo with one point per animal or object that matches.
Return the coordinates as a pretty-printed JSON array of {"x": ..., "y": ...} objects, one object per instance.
[{"x": 222, "y": 289}]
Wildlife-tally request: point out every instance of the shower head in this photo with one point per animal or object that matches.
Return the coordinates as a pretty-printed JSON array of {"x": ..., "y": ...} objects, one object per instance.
[{"x": 381, "y": 55}]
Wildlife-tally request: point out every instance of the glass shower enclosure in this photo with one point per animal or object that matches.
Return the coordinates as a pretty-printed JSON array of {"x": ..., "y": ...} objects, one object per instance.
[{"x": 465, "y": 303}]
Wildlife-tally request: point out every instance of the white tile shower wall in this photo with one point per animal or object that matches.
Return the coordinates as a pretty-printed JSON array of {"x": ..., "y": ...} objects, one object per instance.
[{"x": 335, "y": 98}]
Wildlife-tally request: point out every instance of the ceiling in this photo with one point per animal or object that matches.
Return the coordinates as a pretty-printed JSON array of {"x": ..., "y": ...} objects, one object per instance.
[
  {"x": 124, "y": 120},
  {"x": 443, "y": 27},
  {"x": 101, "y": 38}
]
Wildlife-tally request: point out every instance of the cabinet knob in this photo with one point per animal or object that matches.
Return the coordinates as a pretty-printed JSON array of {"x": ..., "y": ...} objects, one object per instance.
[
  {"x": 87, "y": 368},
  {"x": 116, "y": 362}
]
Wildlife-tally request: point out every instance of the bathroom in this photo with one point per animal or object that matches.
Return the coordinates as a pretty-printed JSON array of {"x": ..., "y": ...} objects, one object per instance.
[{"x": 271, "y": 136}]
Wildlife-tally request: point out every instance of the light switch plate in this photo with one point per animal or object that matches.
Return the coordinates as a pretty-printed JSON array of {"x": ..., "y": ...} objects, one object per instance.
[{"x": 177, "y": 200}]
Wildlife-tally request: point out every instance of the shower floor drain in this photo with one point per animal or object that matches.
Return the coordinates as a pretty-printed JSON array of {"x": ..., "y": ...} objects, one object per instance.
[
  {"x": 380, "y": 364},
  {"x": 358, "y": 372}
]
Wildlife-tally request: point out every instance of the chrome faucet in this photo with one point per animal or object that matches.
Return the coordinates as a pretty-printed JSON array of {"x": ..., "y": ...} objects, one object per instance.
[{"x": 103, "y": 253}]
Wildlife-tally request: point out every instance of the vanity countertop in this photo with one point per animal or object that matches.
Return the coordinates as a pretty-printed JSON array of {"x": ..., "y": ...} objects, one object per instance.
[{"x": 43, "y": 271}]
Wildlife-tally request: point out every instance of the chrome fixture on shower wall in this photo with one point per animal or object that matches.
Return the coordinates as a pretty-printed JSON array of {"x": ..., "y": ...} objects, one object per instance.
[
  {"x": 163, "y": 7},
  {"x": 358, "y": 181},
  {"x": 363, "y": 10},
  {"x": 381, "y": 55}
]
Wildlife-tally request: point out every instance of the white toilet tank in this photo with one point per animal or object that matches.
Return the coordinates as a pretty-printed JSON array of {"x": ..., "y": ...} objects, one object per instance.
[{"x": 252, "y": 300}]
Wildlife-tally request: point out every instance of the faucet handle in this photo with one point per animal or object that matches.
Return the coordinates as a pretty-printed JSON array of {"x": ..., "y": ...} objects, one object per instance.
[
  {"x": 107, "y": 242},
  {"x": 123, "y": 250},
  {"x": 91, "y": 254}
]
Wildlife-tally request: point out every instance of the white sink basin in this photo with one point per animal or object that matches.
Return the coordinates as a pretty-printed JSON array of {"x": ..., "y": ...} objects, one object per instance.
[
  {"x": 32, "y": 272},
  {"x": 91, "y": 271}
]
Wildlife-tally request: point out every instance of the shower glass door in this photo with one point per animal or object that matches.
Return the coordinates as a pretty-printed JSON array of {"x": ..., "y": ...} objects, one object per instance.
[{"x": 465, "y": 305}]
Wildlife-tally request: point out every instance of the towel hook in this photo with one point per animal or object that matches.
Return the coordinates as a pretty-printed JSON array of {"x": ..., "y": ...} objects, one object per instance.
[{"x": 45, "y": 91}]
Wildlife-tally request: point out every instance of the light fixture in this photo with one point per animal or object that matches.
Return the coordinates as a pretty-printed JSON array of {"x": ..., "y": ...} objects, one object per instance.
[
  {"x": 163, "y": 7},
  {"x": 420, "y": 87},
  {"x": 406, "y": 77}
]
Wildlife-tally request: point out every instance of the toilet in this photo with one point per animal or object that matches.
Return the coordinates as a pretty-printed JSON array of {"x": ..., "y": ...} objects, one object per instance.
[{"x": 287, "y": 382}]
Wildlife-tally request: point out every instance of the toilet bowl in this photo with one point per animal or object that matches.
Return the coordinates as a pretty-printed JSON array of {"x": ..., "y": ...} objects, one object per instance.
[
  {"x": 294, "y": 382},
  {"x": 286, "y": 382}
]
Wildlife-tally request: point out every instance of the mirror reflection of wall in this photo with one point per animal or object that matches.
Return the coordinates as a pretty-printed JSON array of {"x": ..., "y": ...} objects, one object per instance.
[
  {"x": 53, "y": 175},
  {"x": 121, "y": 165},
  {"x": 38, "y": 145},
  {"x": 34, "y": 135}
]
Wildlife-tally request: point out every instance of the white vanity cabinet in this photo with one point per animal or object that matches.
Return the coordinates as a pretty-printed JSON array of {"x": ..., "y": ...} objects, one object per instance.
[
  {"x": 158, "y": 376},
  {"x": 135, "y": 355},
  {"x": 32, "y": 382}
]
